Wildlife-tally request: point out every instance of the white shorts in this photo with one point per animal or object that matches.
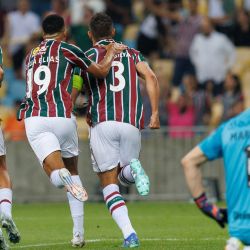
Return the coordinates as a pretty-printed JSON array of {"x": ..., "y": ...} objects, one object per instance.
[
  {"x": 2, "y": 144},
  {"x": 112, "y": 143},
  {"x": 49, "y": 134}
]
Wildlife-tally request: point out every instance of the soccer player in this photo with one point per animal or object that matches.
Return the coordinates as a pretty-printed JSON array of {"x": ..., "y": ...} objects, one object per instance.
[
  {"x": 231, "y": 141},
  {"x": 5, "y": 189},
  {"x": 47, "y": 110},
  {"x": 116, "y": 118}
]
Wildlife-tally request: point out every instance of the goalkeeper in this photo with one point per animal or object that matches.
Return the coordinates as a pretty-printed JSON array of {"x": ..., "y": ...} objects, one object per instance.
[{"x": 231, "y": 141}]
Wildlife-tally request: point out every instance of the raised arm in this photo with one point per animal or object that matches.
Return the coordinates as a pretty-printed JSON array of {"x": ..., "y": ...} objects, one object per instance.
[{"x": 152, "y": 87}]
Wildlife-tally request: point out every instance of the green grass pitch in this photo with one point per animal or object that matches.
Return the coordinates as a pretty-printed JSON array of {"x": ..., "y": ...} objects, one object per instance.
[{"x": 160, "y": 225}]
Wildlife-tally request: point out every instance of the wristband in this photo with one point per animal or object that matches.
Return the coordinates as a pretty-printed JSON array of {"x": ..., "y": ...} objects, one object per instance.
[{"x": 77, "y": 82}]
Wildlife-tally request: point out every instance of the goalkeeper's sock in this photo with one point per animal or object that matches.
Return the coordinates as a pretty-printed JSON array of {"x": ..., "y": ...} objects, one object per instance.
[
  {"x": 125, "y": 176},
  {"x": 55, "y": 179},
  {"x": 6, "y": 201},
  {"x": 118, "y": 209},
  {"x": 76, "y": 209}
]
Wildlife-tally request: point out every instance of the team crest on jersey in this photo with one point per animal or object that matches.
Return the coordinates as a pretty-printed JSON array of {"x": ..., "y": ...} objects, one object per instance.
[{"x": 35, "y": 51}]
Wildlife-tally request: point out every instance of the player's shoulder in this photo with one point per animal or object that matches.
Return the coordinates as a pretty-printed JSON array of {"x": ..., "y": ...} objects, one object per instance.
[{"x": 241, "y": 120}]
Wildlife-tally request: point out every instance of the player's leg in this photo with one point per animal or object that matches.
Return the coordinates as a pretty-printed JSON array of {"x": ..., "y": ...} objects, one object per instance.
[
  {"x": 132, "y": 170},
  {"x": 6, "y": 198},
  {"x": 76, "y": 207},
  {"x": 105, "y": 147},
  {"x": 45, "y": 143}
]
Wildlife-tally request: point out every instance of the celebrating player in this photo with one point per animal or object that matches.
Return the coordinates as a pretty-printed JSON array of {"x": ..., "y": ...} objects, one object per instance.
[
  {"x": 49, "y": 124},
  {"x": 5, "y": 190},
  {"x": 116, "y": 116},
  {"x": 232, "y": 142}
]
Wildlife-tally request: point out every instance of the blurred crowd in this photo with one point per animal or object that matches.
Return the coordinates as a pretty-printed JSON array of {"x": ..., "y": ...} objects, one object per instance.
[{"x": 191, "y": 44}]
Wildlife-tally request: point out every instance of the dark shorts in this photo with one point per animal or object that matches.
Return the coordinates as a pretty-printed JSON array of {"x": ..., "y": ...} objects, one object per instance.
[{"x": 183, "y": 66}]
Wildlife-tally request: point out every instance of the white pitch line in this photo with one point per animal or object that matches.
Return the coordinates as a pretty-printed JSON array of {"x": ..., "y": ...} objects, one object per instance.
[{"x": 102, "y": 240}]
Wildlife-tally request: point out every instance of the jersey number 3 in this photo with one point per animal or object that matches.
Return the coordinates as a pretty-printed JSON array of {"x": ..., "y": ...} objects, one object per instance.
[
  {"x": 42, "y": 77},
  {"x": 119, "y": 76}
]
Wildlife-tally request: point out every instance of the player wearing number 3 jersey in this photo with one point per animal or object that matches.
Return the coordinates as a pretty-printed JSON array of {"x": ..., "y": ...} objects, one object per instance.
[
  {"x": 231, "y": 141},
  {"x": 50, "y": 126},
  {"x": 116, "y": 118}
]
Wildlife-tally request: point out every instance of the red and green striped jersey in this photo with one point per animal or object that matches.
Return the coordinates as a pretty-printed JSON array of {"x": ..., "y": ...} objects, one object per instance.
[
  {"x": 49, "y": 69},
  {"x": 117, "y": 97},
  {"x": 1, "y": 57}
]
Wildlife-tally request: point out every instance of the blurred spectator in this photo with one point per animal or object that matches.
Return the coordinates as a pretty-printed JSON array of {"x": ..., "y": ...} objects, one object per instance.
[
  {"x": 181, "y": 117},
  {"x": 60, "y": 7},
  {"x": 201, "y": 100},
  {"x": 213, "y": 55},
  {"x": 246, "y": 5},
  {"x": 14, "y": 130},
  {"x": 152, "y": 30},
  {"x": 121, "y": 14},
  {"x": 221, "y": 13},
  {"x": 232, "y": 96},
  {"x": 187, "y": 28},
  {"x": 2, "y": 22},
  {"x": 79, "y": 32},
  {"x": 241, "y": 31},
  {"x": 20, "y": 26}
]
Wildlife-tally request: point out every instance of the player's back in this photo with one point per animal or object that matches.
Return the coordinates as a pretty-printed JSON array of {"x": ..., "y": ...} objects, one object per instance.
[
  {"x": 49, "y": 70},
  {"x": 117, "y": 97},
  {"x": 236, "y": 153}
]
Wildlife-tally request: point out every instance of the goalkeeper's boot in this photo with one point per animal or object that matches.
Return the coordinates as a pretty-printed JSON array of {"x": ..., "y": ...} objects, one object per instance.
[
  {"x": 3, "y": 244},
  {"x": 77, "y": 241},
  {"x": 234, "y": 244},
  {"x": 141, "y": 179},
  {"x": 11, "y": 228},
  {"x": 76, "y": 190},
  {"x": 132, "y": 241}
]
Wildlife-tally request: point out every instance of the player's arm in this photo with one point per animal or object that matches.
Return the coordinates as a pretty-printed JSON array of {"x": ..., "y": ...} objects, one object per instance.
[
  {"x": 152, "y": 87},
  {"x": 77, "y": 87},
  {"x": 76, "y": 56},
  {"x": 210, "y": 148},
  {"x": 101, "y": 70}
]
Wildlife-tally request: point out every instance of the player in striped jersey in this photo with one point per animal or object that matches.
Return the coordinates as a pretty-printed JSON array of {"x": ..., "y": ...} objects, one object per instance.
[
  {"x": 5, "y": 188},
  {"x": 47, "y": 110},
  {"x": 116, "y": 118}
]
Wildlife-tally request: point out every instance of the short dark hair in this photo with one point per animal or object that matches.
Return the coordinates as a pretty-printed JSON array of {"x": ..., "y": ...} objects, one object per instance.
[
  {"x": 101, "y": 26},
  {"x": 53, "y": 24}
]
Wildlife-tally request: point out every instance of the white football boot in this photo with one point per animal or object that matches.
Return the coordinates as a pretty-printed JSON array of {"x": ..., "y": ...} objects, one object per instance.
[
  {"x": 11, "y": 228},
  {"x": 76, "y": 190},
  {"x": 77, "y": 240},
  {"x": 3, "y": 244}
]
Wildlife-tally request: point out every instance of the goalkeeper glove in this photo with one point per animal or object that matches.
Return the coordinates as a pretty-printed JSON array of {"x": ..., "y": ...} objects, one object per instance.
[{"x": 211, "y": 210}]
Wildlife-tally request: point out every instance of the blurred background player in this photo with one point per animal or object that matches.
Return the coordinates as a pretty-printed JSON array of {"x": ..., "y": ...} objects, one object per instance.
[
  {"x": 231, "y": 141},
  {"x": 116, "y": 118},
  {"x": 5, "y": 189},
  {"x": 48, "y": 104}
]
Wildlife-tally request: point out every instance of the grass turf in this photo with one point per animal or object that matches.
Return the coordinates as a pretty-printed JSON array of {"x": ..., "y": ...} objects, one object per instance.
[{"x": 159, "y": 225}]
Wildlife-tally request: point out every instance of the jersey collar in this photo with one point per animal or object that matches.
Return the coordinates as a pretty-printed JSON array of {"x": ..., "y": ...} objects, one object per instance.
[{"x": 105, "y": 41}]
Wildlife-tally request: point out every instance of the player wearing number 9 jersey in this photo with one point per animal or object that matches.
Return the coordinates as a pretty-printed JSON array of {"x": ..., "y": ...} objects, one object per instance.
[
  {"x": 116, "y": 118},
  {"x": 50, "y": 126},
  {"x": 231, "y": 141}
]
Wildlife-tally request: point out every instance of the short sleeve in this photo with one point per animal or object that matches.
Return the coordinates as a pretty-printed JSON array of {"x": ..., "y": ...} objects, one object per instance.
[
  {"x": 212, "y": 145},
  {"x": 138, "y": 56},
  {"x": 75, "y": 56}
]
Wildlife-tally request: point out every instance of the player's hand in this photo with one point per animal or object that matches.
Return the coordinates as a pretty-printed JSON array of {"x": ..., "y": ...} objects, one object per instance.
[
  {"x": 154, "y": 121},
  {"x": 211, "y": 210},
  {"x": 115, "y": 48}
]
